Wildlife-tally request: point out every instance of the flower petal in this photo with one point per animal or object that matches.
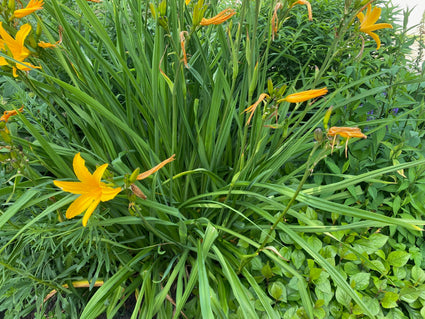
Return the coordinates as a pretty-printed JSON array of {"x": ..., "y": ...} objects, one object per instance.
[
  {"x": 90, "y": 211},
  {"x": 98, "y": 173},
  {"x": 5, "y": 36},
  {"x": 26, "y": 66},
  {"x": 373, "y": 16},
  {"x": 360, "y": 16},
  {"x": 375, "y": 37},
  {"x": 81, "y": 170},
  {"x": 79, "y": 205},
  {"x": 73, "y": 187},
  {"x": 377, "y": 27},
  {"x": 32, "y": 6},
  {"x": 23, "y": 32},
  {"x": 109, "y": 193}
]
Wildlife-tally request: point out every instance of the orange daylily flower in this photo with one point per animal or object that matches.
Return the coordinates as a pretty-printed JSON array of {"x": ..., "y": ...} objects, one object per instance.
[
  {"x": 7, "y": 114},
  {"x": 187, "y": 2},
  {"x": 16, "y": 47},
  {"x": 367, "y": 23},
  {"x": 91, "y": 190},
  {"x": 32, "y": 6},
  {"x": 304, "y": 95},
  {"x": 251, "y": 109},
  {"x": 183, "y": 46},
  {"x": 219, "y": 18},
  {"x": 156, "y": 168},
  {"x": 345, "y": 132},
  {"x": 275, "y": 19},
  {"x": 310, "y": 14}
]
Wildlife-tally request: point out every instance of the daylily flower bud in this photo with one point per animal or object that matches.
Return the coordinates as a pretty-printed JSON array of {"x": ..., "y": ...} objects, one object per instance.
[
  {"x": 327, "y": 117},
  {"x": 11, "y": 5},
  {"x": 133, "y": 176}
]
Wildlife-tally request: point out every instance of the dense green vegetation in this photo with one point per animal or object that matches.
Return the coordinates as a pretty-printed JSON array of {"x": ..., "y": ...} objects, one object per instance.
[{"x": 265, "y": 211}]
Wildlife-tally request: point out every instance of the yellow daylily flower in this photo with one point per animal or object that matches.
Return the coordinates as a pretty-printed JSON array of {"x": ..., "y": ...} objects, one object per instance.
[
  {"x": 251, "y": 109},
  {"x": 345, "y": 132},
  {"x": 304, "y": 95},
  {"x": 187, "y": 1},
  {"x": 16, "y": 47},
  {"x": 367, "y": 23},
  {"x": 32, "y": 6},
  {"x": 310, "y": 13},
  {"x": 91, "y": 190},
  {"x": 219, "y": 18}
]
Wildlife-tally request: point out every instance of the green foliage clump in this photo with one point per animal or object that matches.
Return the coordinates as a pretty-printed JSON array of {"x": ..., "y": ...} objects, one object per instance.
[{"x": 263, "y": 213}]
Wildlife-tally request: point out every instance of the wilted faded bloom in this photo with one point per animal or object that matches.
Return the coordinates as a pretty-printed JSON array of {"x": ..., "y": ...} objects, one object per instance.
[
  {"x": 345, "y": 132},
  {"x": 275, "y": 19},
  {"x": 367, "y": 23},
  {"x": 251, "y": 109},
  {"x": 304, "y": 95},
  {"x": 310, "y": 13},
  {"x": 32, "y": 6},
  {"x": 183, "y": 35},
  {"x": 7, "y": 114},
  {"x": 219, "y": 18},
  {"x": 90, "y": 188}
]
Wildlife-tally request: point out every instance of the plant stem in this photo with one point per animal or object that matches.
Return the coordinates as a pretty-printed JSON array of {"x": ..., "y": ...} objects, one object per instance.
[{"x": 307, "y": 172}]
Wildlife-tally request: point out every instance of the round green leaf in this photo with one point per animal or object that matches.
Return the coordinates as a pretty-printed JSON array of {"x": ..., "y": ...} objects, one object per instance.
[
  {"x": 398, "y": 258},
  {"x": 389, "y": 300},
  {"x": 360, "y": 280}
]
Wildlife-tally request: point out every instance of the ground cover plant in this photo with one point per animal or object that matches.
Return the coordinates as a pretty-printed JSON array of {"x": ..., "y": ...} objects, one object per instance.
[{"x": 194, "y": 159}]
